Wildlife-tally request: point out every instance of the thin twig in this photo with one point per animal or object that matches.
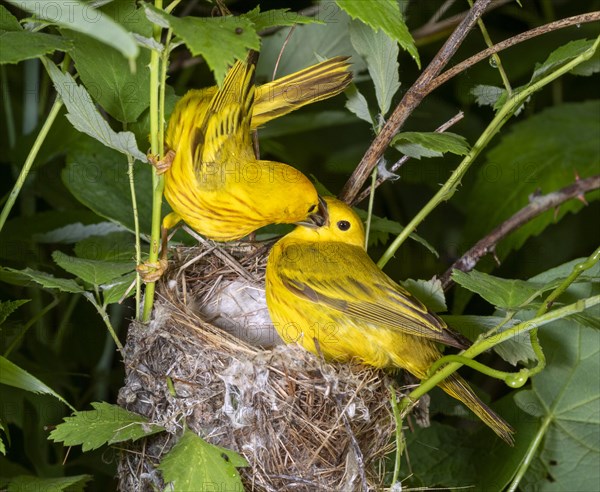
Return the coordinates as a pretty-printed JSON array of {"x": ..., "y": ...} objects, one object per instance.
[
  {"x": 409, "y": 102},
  {"x": 519, "y": 38},
  {"x": 400, "y": 162},
  {"x": 538, "y": 205}
]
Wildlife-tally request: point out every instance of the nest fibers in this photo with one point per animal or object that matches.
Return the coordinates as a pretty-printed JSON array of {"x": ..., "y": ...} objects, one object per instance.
[{"x": 300, "y": 422}]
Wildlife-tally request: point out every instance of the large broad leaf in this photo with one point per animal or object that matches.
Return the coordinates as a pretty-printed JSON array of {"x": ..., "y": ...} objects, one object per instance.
[
  {"x": 542, "y": 153},
  {"x": 22, "y": 483},
  {"x": 95, "y": 272},
  {"x": 106, "y": 74},
  {"x": 106, "y": 424},
  {"x": 566, "y": 398},
  {"x": 381, "y": 54},
  {"x": 97, "y": 177},
  {"x": 81, "y": 17},
  {"x": 13, "y": 375},
  {"x": 277, "y": 17},
  {"x": 219, "y": 40},
  {"x": 84, "y": 116},
  {"x": 212, "y": 465},
  {"x": 24, "y": 45},
  {"x": 384, "y": 15},
  {"x": 29, "y": 276}
]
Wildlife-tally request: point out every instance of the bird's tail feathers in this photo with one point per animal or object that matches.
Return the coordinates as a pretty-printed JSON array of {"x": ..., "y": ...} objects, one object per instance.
[{"x": 458, "y": 388}]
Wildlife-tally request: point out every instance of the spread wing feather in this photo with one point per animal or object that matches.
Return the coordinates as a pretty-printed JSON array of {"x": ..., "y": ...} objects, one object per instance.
[{"x": 355, "y": 286}]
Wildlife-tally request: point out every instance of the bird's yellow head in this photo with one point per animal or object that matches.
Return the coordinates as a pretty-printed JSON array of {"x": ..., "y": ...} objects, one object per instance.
[{"x": 334, "y": 222}]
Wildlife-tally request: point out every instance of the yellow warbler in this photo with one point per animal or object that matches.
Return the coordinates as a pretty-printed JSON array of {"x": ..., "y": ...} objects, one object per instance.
[
  {"x": 325, "y": 293},
  {"x": 214, "y": 182}
]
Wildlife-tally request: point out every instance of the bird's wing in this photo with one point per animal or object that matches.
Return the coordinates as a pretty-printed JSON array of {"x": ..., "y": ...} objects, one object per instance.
[
  {"x": 356, "y": 287},
  {"x": 224, "y": 135}
]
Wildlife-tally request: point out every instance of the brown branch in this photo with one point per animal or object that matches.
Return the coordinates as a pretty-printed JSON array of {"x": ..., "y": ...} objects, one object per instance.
[
  {"x": 400, "y": 162},
  {"x": 412, "y": 98},
  {"x": 538, "y": 205},
  {"x": 519, "y": 38}
]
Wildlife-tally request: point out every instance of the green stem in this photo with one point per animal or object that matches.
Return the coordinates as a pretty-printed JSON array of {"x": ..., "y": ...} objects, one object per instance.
[
  {"x": 8, "y": 112},
  {"x": 136, "y": 227},
  {"x": 495, "y": 56},
  {"x": 487, "y": 343},
  {"x": 29, "y": 161},
  {"x": 399, "y": 437},
  {"x": 502, "y": 116},
  {"x": 370, "y": 210},
  {"x": 34, "y": 319},
  {"x": 508, "y": 377},
  {"x": 530, "y": 454},
  {"x": 105, "y": 318},
  {"x": 157, "y": 181}
]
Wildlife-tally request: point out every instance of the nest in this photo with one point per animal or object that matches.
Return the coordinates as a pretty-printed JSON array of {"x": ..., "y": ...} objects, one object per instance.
[{"x": 300, "y": 422}]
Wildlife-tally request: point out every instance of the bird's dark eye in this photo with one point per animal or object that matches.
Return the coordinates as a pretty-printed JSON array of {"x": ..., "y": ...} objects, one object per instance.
[
  {"x": 343, "y": 225},
  {"x": 311, "y": 209}
]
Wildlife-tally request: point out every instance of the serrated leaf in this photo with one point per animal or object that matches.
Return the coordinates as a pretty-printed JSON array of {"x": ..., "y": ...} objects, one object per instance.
[
  {"x": 381, "y": 54},
  {"x": 565, "y": 395},
  {"x": 95, "y": 272},
  {"x": 277, "y": 17},
  {"x": 84, "y": 116},
  {"x": 514, "y": 351},
  {"x": 24, "y": 483},
  {"x": 13, "y": 375},
  {"x": 430, "y": 144},
  {"x": 97, "y": 177},
  {"x": 381, "y": 228},
  {"x": 384, "y": 15},
  {"x": 106, "y": 424},
  {"x": 544, "y": 152},
  {"x": 560, "y": 56},
  {"x": 487, "y": 95},
  {"x": 561, "y": 272},
  {"x": 107, "y": 75},
  {"x": 24, "y": 45},
  {"x": 8, "y": 307},
  {"x": 219, "y": 40},
  {"x": 47, "y": 281},
  {"x": 115, "y": 291},
  {"x": 78, "y": 16},
  {"x": 429, "y": 292},
  {"x": 212, "y": 465},
  {"x": 503, "y": 293},
  {"x": 357, "y": 104},
  {"x": 72, "y": 233},
  {"x": 8, "y": 22}
]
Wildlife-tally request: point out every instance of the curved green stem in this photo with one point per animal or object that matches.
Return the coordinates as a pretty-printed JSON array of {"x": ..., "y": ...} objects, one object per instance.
[
  {"x": 502, "y": 116},
  {"x": 136, "y": 228},
  {"x": 157, "y": 181},
  {"x": 487, "y": 343},
  {"x": 399, "y": 437},
  {"x": 105, "y": 318}
]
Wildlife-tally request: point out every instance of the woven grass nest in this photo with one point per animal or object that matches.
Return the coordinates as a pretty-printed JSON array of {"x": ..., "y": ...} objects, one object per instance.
[{"x": 301, "y": 423}]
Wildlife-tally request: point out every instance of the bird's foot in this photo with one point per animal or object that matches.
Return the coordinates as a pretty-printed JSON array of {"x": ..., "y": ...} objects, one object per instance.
[
  {"x": 164, "y": 164},
  {"x": 151, "y": 271}
]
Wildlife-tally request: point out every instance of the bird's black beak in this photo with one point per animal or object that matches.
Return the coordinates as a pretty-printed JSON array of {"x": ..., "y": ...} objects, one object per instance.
[{"x": 317, "y": 219}]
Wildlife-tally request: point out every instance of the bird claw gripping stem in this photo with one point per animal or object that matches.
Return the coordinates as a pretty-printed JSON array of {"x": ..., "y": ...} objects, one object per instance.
[{"x": 164, "y": 164}]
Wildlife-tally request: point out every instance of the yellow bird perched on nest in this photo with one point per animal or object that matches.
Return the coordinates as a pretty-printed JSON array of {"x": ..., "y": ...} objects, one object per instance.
[
  {"x": 325, "y": 293},
  {"x": 213, "y": 180}
]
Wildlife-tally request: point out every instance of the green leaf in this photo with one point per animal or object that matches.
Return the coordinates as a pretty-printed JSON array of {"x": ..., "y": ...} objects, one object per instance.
[
  {"x": 487, "y": 95},
  {"x": 429, "y": 292},
  {"x": 381, "y": 54},
  {"x": 107, "y": 75},
  {"x": 84, "y": 116},
  {"x": 503, "y": 293},
  {"x": 72, "y": 233},
  {"x": 293, "y": 124},
  {"x": 384, "y": 15},
  {"x": 13, "y": 375},
  {"x": 381, "y": 228},
  {"x": 542, "y": 153},
  {"x": 565, "y": 396},
  {"x": 25, "y": 483},
  {"x": 277, "y": 17},
  {"x": 553, "y": 276},
  {"x": 514, "y": 351},
  {"x": 8, "y": 22},
  {"x": 81, "y": 17},
  {"x": 8, "y": 307},
  {"x": 430, "y": 144},
  {"x": 357, "y": 104},
  {"x": 106, "y": 424},
  {"x": 47, "y": 281},
  {"x": 219, "y": 40},
  {"x": 2, "y": 446},
  {"x": 95, "y": 272},
  {"x": 116, "y": 246},
  {"x": 212, "y": 465},
  {"x": 97, "y": 177},
  {"x": 563, "y": 55},
  {"x": 115, "y": 291},
  {"x": 24, "y": 45}
]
